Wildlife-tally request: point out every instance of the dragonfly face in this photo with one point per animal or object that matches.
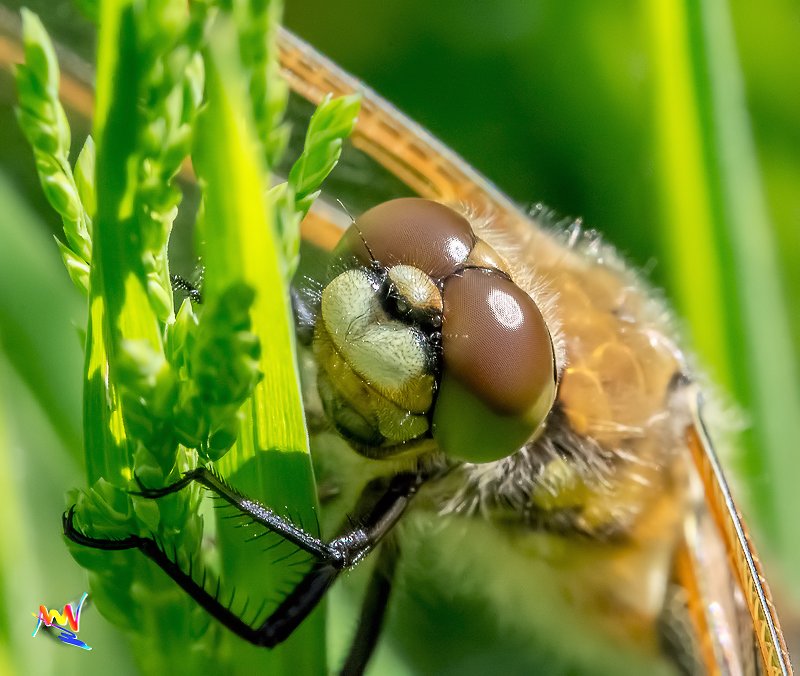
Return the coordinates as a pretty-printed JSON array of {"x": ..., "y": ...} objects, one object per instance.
[
  {"x": 587, "y": 499},
  {"x": 443, "y": 349},
  {"x": 424, "y": 337}
]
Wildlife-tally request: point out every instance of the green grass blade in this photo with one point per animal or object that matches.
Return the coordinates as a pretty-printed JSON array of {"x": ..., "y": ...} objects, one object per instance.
[
  {"x": 126, "y": 303},
  {"x": 722, "y": 248},
  {"x": 37, "y": 311},
  {"x": 270, "y": 461}
]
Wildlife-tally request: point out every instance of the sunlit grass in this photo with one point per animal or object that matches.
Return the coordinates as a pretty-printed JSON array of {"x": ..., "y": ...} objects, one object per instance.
[
  {"x": 164, "y": 390},
  {"x": 722, "y": 249}
]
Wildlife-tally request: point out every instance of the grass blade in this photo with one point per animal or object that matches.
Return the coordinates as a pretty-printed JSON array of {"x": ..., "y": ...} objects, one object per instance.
[{"x": 721, "y": 242}]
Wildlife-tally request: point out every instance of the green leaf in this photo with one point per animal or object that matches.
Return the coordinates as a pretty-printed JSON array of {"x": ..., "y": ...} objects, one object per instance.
[
  {"x": 44, "y": 123},
  {"x": 331, "y": 123},
  {"x": 240, "y": 245},
  {"x": 84, "y": 177},
  {"x": 722, "y": 250}
]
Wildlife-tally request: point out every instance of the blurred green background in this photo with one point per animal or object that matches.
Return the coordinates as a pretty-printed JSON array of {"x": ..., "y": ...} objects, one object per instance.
[{"x": 672, "y": 129}]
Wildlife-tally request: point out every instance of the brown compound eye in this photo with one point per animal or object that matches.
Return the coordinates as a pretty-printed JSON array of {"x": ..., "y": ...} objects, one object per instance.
[
  {"x": 498, "y": 373},
  {"x": 411, "y": 231},
  {"x": 494, "y": 361}
]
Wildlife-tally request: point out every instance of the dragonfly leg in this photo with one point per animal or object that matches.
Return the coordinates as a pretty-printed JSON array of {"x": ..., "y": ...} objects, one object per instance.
[
  {"x": 378, "y": 509},
  {"x": 373, "y": 611},
  {"x": 182, "y": 284},
  {"x": 303, "y": 307}
]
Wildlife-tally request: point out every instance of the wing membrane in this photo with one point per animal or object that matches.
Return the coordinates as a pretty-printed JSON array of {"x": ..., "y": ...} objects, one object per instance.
[{"x": 739, "y": 548}]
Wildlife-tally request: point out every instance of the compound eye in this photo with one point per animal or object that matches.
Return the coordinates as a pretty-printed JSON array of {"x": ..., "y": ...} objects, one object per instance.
[
  {"x": 498, "y": 378},
  {"x": 410, "y": 231}
]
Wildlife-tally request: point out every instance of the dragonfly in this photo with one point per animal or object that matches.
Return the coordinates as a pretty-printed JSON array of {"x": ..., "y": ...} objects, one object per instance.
[
  {"x": 601, "y": 390},
  {"x": 618, "y": 515}
]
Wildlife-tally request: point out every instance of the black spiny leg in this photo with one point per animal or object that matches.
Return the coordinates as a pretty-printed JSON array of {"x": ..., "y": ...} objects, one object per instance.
[
  {"x": 304, "y": 306},
  {"x": 381, "y": 504},
  {"x": 182, "y": 284},
  {"x": 373, "y": 611}
]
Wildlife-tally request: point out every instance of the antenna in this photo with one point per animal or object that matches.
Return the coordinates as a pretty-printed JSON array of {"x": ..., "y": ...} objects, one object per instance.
[{"x": 360, "y": 234}]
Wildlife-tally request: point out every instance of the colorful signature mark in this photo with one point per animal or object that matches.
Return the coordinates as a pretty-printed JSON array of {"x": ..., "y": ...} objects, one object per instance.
[{"x": 61, "y": 620}]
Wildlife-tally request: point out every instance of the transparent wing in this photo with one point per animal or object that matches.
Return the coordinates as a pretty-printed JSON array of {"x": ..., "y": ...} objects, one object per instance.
[
  {"x": 739, "y": 553},
  {"x": 396, "y": 144}
]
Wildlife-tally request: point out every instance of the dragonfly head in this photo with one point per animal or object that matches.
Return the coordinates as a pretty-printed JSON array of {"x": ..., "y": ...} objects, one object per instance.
[{"x": 425, "y": 341}]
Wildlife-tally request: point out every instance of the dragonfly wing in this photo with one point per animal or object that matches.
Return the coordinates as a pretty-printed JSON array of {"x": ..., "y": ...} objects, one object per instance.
[
  {"x": 398, "y": 145},
  {"x": 738, "y": 549}
]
